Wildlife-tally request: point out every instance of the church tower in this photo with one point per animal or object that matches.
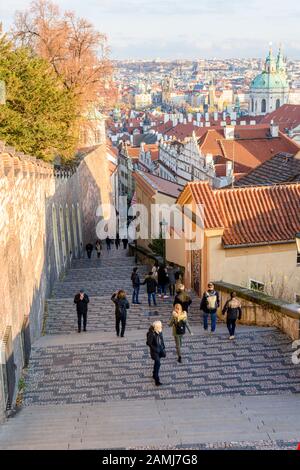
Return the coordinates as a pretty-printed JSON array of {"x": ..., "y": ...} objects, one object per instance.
[{"x": 270, "y": 89}]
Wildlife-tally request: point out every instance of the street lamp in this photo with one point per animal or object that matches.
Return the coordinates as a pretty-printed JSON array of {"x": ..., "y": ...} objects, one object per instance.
[{"x": 297, "y": 236}]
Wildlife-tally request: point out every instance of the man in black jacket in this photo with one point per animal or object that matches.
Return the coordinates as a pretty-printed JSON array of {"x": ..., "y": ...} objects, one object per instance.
[
  {"x": 81, "y": 300},
  {"x": 135, "y": 278},
  {"x": 151, "y": 284}
]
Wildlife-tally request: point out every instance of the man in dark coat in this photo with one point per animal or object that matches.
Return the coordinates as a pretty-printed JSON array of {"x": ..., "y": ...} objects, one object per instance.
[
  {"x": 183, "y": 299},
  {"x": 121, "y": 307},
  {"x": 135, "y": 279},
  {"x": 81, "y": 300},
  {"x": 155, "y": 341},
  {"x": 151, "y": 284},
  {"x": 125, "y": 243},
  {"x": 89, "y": 248},
  {"x": 210, "y": 302}
]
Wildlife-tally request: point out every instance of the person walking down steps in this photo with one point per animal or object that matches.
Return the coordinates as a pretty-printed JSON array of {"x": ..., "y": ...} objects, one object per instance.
[
  {"x": 81, "y": 300},
  {"x": 98, "y": 247},
  {"x": 89, "y": 248},
  {"x": 233, "y": 309},
  {"x": 121, "y": 307},
  {"x": 155, "y": 341},
  {"x": 179, "y": 323},
  {"x": 151, "y": 285}
]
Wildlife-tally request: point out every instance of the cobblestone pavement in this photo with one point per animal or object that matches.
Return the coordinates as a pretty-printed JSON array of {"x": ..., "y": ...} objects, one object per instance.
[{"x": 98, "y": 369}]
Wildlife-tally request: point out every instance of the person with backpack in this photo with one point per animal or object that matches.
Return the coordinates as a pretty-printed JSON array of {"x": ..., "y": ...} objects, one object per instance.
[
  {"x": 155, "y": 341},
  {"x": 151, "y": 285},
  {"x": 210, "y": 302},
  {"x": 135, "y": 279},
  {"x": 121, "y": 307},
  {"x": 233, "y": 309},
  {"x": 183, "y": 299},
  {"x": 179, "y": 322}
]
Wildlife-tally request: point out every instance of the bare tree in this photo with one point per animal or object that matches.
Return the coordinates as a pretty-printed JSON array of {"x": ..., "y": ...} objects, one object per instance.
[{"x": 78, "y": 53}]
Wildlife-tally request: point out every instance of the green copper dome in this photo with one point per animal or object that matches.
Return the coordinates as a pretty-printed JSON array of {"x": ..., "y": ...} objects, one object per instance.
[{"x": 270, "y": 80}]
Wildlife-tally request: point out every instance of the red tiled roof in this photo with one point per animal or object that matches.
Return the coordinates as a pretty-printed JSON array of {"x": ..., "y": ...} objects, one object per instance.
[
  {"x": 162, "y": 185},
  {"x": 250, "y": 148},
  {"x": 250, "y": 215},
  {"x": 287, "y": 116}
]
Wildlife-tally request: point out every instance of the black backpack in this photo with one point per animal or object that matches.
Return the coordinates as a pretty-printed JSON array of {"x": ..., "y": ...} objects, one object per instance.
[{"x": 180, "y": 327}]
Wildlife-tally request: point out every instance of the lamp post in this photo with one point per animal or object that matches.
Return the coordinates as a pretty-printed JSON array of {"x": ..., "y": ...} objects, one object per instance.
[{"x": 297, "y": 237}]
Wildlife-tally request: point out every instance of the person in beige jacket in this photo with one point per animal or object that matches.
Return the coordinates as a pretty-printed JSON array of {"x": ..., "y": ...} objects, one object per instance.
[{"x": 179, "y": 323}]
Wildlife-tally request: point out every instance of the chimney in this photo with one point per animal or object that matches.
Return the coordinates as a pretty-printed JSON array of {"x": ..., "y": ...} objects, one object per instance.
[
  {"x": 224, "y": 116},
  {"x": 229, "y": 168},
  {"x": 166, "y": 118},
  {"x": 208, "y": 159},
  {"x": 274, "y": 129},
  {"x": 242, "y": 123},
  {"x": 206, "y": 116},
  {"x": 142, "y": 146},
  {"x": 175, "y": 121},
  {"x": 181, "y": 118},
  {"x": 252, "y": 123},
  {"x": 198, "y": 117},
  {"x": 184, "y": 121},
  {"x": 190, "y": 117},
  {"x": 229, "y": 132},
  {"x": 216, "y": 115},
  {"x": 223, "y": 123}
]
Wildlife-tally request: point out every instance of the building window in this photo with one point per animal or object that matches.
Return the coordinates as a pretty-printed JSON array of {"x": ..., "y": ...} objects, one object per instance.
[
  {"x": 256, "y": 285},
  {"x": 263, "y": 106},
  {"x": 277, "y": 103},
  {"x": 252, "y": 105}
]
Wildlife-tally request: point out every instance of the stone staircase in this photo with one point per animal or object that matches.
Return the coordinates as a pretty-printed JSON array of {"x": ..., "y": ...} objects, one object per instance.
[{"x": 85, "y": 390}]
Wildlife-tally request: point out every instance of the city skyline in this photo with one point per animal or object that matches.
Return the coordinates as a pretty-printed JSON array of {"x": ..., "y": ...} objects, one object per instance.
[{"x": 185, "y": 30}]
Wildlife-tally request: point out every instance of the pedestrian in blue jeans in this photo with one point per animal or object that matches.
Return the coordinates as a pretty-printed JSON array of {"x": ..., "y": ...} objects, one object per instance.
[
  {"x": 151, "y": 284},
  {"x": 210, "y": 302},
  {"x": 135, "y": 278}
]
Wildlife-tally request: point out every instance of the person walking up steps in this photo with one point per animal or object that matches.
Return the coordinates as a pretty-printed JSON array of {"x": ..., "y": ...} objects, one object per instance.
[
  {"x": 171, "y": 275},
  {"x": 135, "y": 278},
  {"x": 155, "y": 341},
  {"x": 179, "y": 322},
  {"x": 233, "y": 309},
  {"x": 151, "y": 285},
  {"x": 162, "y": 280},
  {"x": 81, "y": 300},
  {"x": 121, "y": 307},
  {"x": 183, "y": 299},
  {"x": 209, "y": 304},
  {"x": 89, "y": 248},
  {"x": 108, "y": 243},
  {"x": 117, "y": 241},
  {"x": 125, "y": 243}
]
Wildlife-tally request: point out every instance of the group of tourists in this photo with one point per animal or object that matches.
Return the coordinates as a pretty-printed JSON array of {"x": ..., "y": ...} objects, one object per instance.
[
  {"x": 108, "y": 242},
  {"x": 156, "y": 281}
]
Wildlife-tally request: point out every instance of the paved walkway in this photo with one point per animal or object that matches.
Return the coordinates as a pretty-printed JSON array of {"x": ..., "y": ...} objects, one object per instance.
[{"x": 94, "y": 390}]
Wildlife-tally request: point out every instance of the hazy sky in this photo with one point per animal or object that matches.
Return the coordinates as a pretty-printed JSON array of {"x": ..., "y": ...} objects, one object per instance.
[{"x": 186, "y": 28}]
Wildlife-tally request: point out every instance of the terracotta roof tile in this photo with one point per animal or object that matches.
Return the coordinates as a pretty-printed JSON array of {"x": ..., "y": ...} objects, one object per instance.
[
  {"x": 250, "y": 215},
  {"x": 287, "y": 116}
]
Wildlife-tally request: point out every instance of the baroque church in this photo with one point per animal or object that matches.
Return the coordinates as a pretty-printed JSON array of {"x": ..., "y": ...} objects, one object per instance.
[{"x": 270, "y": 89}]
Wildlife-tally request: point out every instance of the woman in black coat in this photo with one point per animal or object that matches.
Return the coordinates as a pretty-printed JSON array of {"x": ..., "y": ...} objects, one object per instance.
[
  {"x": 121, "y": 307},
  {"x": 155, "y": 341},
  {"x": 162, "y": 281}
]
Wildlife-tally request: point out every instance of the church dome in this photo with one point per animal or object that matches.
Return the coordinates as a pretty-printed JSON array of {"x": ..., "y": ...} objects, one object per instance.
[{"x": 270, "y": 81}]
